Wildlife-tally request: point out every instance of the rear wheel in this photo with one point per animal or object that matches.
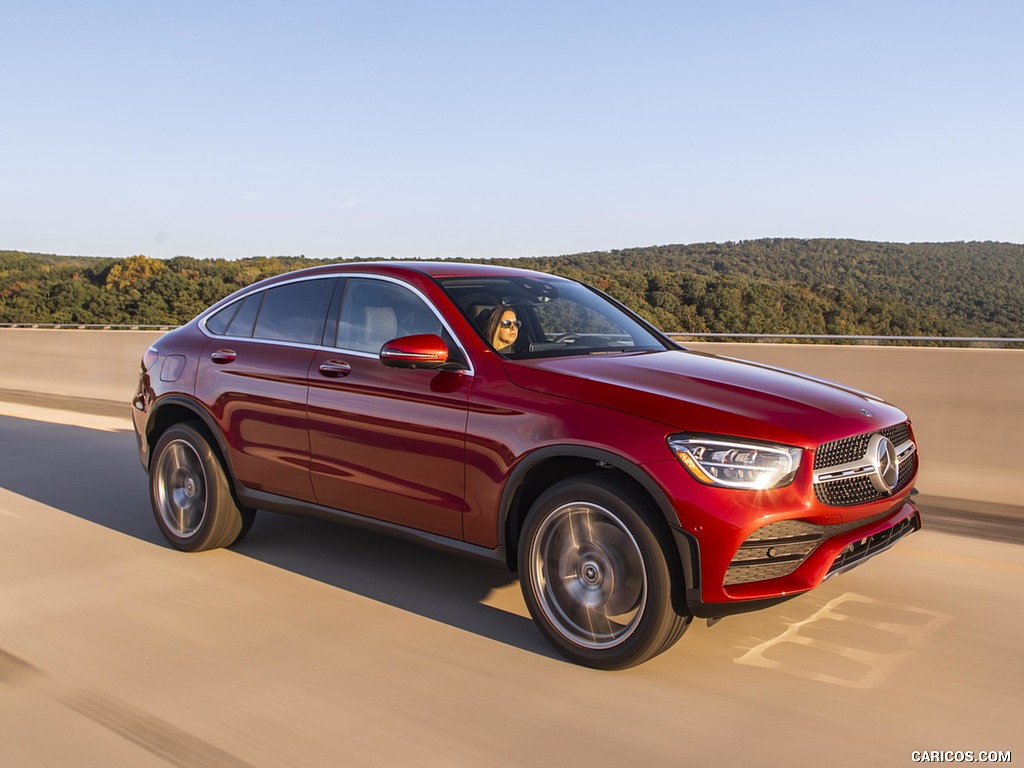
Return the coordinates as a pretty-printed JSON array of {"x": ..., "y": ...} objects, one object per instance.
[
  {"x": 596, "y": 574},
  {"x": 191, "y": 497}
]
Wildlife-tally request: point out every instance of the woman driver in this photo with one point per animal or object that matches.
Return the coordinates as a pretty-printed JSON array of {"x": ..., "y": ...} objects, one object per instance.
[{"x": 503, "y": 329}]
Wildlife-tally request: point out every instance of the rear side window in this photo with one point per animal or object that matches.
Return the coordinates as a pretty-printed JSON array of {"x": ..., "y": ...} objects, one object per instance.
[
  {"x": 294, "y": 312},
  {"x": 237, "y": 318},
  {"x": 242, "y": 323},
  {"x": 218, "y": 323}
]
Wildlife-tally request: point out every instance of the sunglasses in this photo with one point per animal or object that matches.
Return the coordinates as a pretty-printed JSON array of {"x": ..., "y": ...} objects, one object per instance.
[{"x": 511, "y": 323}]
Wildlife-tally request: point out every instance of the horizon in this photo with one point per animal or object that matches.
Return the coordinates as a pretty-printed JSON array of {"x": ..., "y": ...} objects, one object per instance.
[
  {"x": 456, "y": 130},
  {"x": 486, "y": 258},
  {"x": 609, "y": 252}
]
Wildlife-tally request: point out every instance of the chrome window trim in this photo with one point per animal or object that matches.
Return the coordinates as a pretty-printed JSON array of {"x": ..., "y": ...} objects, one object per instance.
[{"x": 206, "y": 314}]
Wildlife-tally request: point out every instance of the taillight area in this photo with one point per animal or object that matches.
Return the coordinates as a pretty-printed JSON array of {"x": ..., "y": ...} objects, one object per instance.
[{"x": 149, "y": 358}]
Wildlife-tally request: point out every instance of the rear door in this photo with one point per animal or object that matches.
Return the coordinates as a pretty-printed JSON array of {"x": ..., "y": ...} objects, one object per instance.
[{"x": 253, "y": 378}]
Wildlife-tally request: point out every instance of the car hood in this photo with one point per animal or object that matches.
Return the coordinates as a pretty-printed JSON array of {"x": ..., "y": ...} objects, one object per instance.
[{"x": 699, "y": 392}]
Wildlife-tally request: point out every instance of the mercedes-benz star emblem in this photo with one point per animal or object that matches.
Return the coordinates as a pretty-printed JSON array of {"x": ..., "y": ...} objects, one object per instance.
[{"x": 882, "y": 455}]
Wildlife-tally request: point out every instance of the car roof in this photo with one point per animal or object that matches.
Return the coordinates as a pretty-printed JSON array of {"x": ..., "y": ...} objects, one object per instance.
[
  {"x": 432, "y": 269},
  {"x": 465, "y": 269}
]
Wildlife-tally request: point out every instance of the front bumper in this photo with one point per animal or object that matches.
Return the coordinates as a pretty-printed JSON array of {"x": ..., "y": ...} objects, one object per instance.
[
  {"x": 834, "y": 555},
  {"x": 744, "y": 550}
]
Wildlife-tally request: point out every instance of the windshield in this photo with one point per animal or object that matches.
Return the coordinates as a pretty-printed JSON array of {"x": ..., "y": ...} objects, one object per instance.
[{"x": 528, "y": 317}]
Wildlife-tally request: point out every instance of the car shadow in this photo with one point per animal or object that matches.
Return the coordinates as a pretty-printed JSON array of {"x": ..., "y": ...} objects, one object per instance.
[{"x": 96, "y": 476}]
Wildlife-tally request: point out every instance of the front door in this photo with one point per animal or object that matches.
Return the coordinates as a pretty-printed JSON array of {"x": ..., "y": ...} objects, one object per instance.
[{"x": 387, "y": 443}]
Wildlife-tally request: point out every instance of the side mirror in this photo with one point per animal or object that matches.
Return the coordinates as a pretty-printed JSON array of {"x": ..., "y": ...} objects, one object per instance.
[{"x": 425, "y": 350}]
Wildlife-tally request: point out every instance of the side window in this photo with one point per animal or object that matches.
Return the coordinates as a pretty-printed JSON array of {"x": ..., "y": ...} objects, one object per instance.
[
  {"x": 218, "y": 323},
  {"x": 294, "y": 312},
  {"x": 237, "y": 318},
  {"x": 243, "y": 321},
  {"x": 374, "y": 312}
]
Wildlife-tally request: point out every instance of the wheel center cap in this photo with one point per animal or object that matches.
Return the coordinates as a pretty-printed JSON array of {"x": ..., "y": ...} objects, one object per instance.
[
  {"x": 590, "y": 572},
  {"x": 190, "y": 487}
]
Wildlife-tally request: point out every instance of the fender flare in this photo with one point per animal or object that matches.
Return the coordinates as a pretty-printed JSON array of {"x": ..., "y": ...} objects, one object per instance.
[
  {"x": 204, "y": 416},
  {"x": 685, "y": 544}
]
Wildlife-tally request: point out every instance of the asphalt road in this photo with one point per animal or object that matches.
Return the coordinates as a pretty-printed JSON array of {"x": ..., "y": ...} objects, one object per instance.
[{"x": 318, "y": 645}]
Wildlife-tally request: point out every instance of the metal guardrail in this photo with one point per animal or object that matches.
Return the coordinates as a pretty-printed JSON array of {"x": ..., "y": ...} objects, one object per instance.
[
  {"x": 89, "y": 326},
  {"x": 966, "y": 340},
  {"x": 770, "y": 337}
]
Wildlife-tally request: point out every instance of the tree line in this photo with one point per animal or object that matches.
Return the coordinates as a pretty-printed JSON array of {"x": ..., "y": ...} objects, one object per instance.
[{"x": 790, "y": 286}]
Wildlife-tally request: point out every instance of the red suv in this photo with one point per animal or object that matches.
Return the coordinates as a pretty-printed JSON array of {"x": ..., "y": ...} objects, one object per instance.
[{"x": 632, "y": 483}]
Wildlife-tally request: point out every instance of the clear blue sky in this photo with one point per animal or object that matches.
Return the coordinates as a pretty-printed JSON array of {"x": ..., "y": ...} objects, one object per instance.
[{"x": 477, "y": 128}]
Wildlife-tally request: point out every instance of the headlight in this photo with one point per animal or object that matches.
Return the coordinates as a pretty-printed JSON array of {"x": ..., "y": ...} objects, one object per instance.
[{"x": 736, "y": 464}]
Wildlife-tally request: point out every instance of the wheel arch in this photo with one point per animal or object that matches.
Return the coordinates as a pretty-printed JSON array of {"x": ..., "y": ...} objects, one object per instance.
[
  {"x": 545, "y": 466},
  {"x": 175, "y": 409}
]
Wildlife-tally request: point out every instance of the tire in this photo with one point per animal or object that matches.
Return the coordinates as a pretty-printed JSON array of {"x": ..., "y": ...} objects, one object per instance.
[
  {"x": 192, "y": 500},
  {"x": 597, "y": 574}
]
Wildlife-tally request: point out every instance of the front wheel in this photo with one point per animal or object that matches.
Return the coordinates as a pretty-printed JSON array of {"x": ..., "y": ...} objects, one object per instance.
[
  {"x": 596, "y": 575},
  {"x": 191, "y": 498}
]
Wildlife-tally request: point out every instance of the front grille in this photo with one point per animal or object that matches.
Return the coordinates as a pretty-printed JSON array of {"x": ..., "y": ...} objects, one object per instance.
[
  {"x": 852, "y": 448},
  {"x": 859, "y": 490},
  {"x": 852, "y": 491}
]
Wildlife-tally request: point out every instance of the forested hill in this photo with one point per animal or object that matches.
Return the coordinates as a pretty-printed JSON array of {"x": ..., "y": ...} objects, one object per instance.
[
  {"x": 756, "y": 286},
  {"x": 817, "y": 286}
]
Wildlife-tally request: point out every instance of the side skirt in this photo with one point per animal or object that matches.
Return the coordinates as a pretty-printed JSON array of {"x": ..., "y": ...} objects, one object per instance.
[{"x": 274, "y": 503}]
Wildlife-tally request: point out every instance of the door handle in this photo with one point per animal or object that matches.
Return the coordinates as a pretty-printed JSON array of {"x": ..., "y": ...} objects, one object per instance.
[
  {"x": 222, "y": 356},
  {"x": 335, "y": 368}
]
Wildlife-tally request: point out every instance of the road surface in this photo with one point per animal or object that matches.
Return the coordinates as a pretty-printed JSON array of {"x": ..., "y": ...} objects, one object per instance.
[{"x": 313, "y": 644}]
